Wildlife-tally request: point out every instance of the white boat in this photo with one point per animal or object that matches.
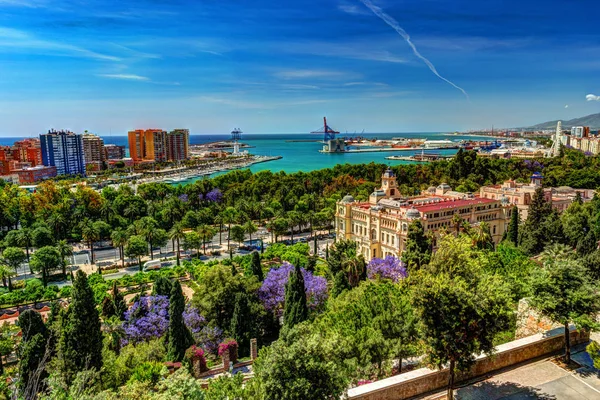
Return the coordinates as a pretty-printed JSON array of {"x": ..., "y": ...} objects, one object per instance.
[{"x": 440, "y": 144}]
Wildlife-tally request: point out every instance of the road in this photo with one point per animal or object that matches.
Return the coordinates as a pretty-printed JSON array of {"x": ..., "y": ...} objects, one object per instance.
[{"x": 104, "y": 254}]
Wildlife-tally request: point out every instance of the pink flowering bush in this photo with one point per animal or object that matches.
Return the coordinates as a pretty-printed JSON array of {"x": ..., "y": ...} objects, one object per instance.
[
  {"x": 231, "y": 346},
  {"x": 195, "y": 355}
]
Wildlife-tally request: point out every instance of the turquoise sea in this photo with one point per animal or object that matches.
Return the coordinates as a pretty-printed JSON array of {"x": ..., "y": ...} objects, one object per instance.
[{"x": 305, "y": 156}]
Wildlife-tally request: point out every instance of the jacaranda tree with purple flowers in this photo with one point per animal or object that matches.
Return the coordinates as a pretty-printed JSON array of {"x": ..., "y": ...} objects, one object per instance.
[
  {"x": 272, "y": 291},
  {"x": 389, "y": 267},
  {"x": 148, "y": 318},
  {"x": 214, "y": 196}
]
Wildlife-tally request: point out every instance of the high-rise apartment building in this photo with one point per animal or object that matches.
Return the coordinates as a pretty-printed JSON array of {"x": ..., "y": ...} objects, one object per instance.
[
  {"x": 63, "y": 150},
  {"x": 148, "y": 145},
  {"x": 93, "y": 150},
  {"x": 577, "y": 131},
  {"x": 114, "y": 152},
  {"x": 178, "y": 145},
  {"x": 158, "y": 145}
]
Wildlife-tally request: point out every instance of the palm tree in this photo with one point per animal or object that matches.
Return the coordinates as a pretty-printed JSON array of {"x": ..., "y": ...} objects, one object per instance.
[
  {"x": 57, "y": 222},
  {"x": 119, "y": 239},
  {"x": 107, "y": 210},
  {"x": 205, "y": 231},
  {"x": 219, "y": 220},
  {"x": 457, "y": 221},
  {"x": 24, "y": 240},
  {"x": 176, "y": 234},
  {"x": 90, "y": 234},
  {"x": 250, "y": 228},
  {"x": 482, "y": 237},
  {"x": 65, "y": 250},
  {"x": 148, "y": 226},
  {"x": 229, "y": 217},
  {"x": 5, "y": 273},
  {"x": 295, "y": 219},
  {"x": 556, "y": 252}
]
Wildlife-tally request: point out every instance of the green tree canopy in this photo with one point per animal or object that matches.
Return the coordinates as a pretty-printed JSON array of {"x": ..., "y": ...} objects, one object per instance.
[
  {"x": 563, "y": 291},
  {"x": 418, "y": 248},
  {"x": 80, "y": 343}
]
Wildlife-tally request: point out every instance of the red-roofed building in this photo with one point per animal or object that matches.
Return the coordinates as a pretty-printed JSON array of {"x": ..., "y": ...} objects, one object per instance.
[{"x": 380, "y": 226}]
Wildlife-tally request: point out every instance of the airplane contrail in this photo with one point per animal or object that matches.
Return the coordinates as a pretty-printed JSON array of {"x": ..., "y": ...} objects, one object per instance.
[{"x": 394, "y": 24}]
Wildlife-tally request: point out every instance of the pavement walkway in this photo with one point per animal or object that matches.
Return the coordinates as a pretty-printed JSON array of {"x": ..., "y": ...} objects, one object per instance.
[{"x": 539, "y": 380}]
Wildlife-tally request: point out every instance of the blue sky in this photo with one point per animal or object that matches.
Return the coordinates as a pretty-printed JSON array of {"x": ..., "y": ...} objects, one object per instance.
[{"x": 268, "y": 66}]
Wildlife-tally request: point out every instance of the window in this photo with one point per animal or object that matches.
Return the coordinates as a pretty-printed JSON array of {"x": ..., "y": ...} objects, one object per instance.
[{"x": 494, "y": 229}]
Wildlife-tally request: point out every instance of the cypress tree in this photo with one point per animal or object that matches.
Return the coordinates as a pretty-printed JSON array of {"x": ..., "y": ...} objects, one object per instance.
[
  {"x": 80, "y": 345},
  {"x": 108, "y": 307},
  {"x": 179, "y": 336},
  {"x": 32, "y": 350},
  {"x": 240, "y": 322},
  {"x": 539, "y": 208},
  {"x": 340, "y": 283},
  {"x": 162, "y": 286},
  {"x": 118, "y": 301},
  {"x": 295, "y": 308},
  {"x": 256, "y": 267},
  {"x": 31, "y": 324},
  {"x": 31, "y": 371},
  {"x": 513, "y": 226},
  {"x": 418, "y": 248},
  {"x": 587, "y": 244}
]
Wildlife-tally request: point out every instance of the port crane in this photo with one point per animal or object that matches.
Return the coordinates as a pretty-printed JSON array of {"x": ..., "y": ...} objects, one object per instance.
[{"x": 326, "y": 131}]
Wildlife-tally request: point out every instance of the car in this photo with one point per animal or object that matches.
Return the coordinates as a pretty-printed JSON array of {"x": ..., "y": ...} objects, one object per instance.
[
  {"x": 152, "y": 265},
  {"x": 303, "y": 240}
]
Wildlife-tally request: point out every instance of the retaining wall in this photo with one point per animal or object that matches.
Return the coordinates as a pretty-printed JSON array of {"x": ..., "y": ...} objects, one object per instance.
[{"x": 424, "y": 380}]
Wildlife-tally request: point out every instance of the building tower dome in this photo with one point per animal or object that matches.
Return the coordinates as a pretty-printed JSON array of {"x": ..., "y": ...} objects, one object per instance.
[
  {"x": 413, "y": 213},
  {"x": 536, "y": 179},
  {"x": 348, "y": 199}
]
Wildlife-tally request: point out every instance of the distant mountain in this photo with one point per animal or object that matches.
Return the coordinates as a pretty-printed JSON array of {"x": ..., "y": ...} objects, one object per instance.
[{"x": 593, "y": 121}]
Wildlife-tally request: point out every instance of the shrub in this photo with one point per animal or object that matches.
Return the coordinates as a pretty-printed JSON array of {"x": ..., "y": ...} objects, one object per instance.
[
  {"x": 231, "y": 346},
  {"x": 149, "y": 371},
  {"x": 65, "y": 291},
  {"x": 195, "y": 356}
]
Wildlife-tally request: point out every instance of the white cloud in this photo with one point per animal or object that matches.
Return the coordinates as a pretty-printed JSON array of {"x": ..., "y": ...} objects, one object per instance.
[
  {"x": 592, "y": 97},
  {"x": 130, "y": 77},
  {"x": 352, "y": 9},
  {"x": 299, "y": 87},
  {"x": 309, "y": 74},
  {"x": 567, "y": 106},
  {"x": 23, "y": 41}
]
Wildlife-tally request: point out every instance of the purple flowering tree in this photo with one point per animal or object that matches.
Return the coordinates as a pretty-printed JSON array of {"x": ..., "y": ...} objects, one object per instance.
[
  {"x": 209, "y": 338},
  {"x": 272, "y": 291},
  {"x": 388, "y": 268},
  {"x": 148, "y": 318},
  {"x": 192, "y": 319},
  {"x": 205, "y": 336},
  {"x": 214, "y": 196},
  {"x": 183, "y": 198}
]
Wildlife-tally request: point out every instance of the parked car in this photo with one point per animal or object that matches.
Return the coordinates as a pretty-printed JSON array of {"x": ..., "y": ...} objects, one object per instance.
[{"x": 152, "y": 265}]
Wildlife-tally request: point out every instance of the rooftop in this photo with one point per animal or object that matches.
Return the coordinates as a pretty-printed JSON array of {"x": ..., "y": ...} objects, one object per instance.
[{"x": 451, "y": 203}]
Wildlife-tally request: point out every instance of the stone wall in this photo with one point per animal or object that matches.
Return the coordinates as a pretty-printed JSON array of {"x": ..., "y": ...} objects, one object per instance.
[
  {"x": 530, "y": 322},
  {"x": 426, "y": 380}
]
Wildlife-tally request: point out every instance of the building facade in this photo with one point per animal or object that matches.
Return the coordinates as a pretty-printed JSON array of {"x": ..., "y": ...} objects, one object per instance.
[
  {"x": 521, "y": 194},
  {"x": 114, "y": 152},
  {"x": 93, "y": 150},
  {"x": 148, "y": 145},
  {"x": 178, "y": 145},
  {"x": 156, "y": 145},
  {"x": 35, "y": 174},
  {"x": 63, "y": 150},
  {"x": 380, "y": 226}
]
